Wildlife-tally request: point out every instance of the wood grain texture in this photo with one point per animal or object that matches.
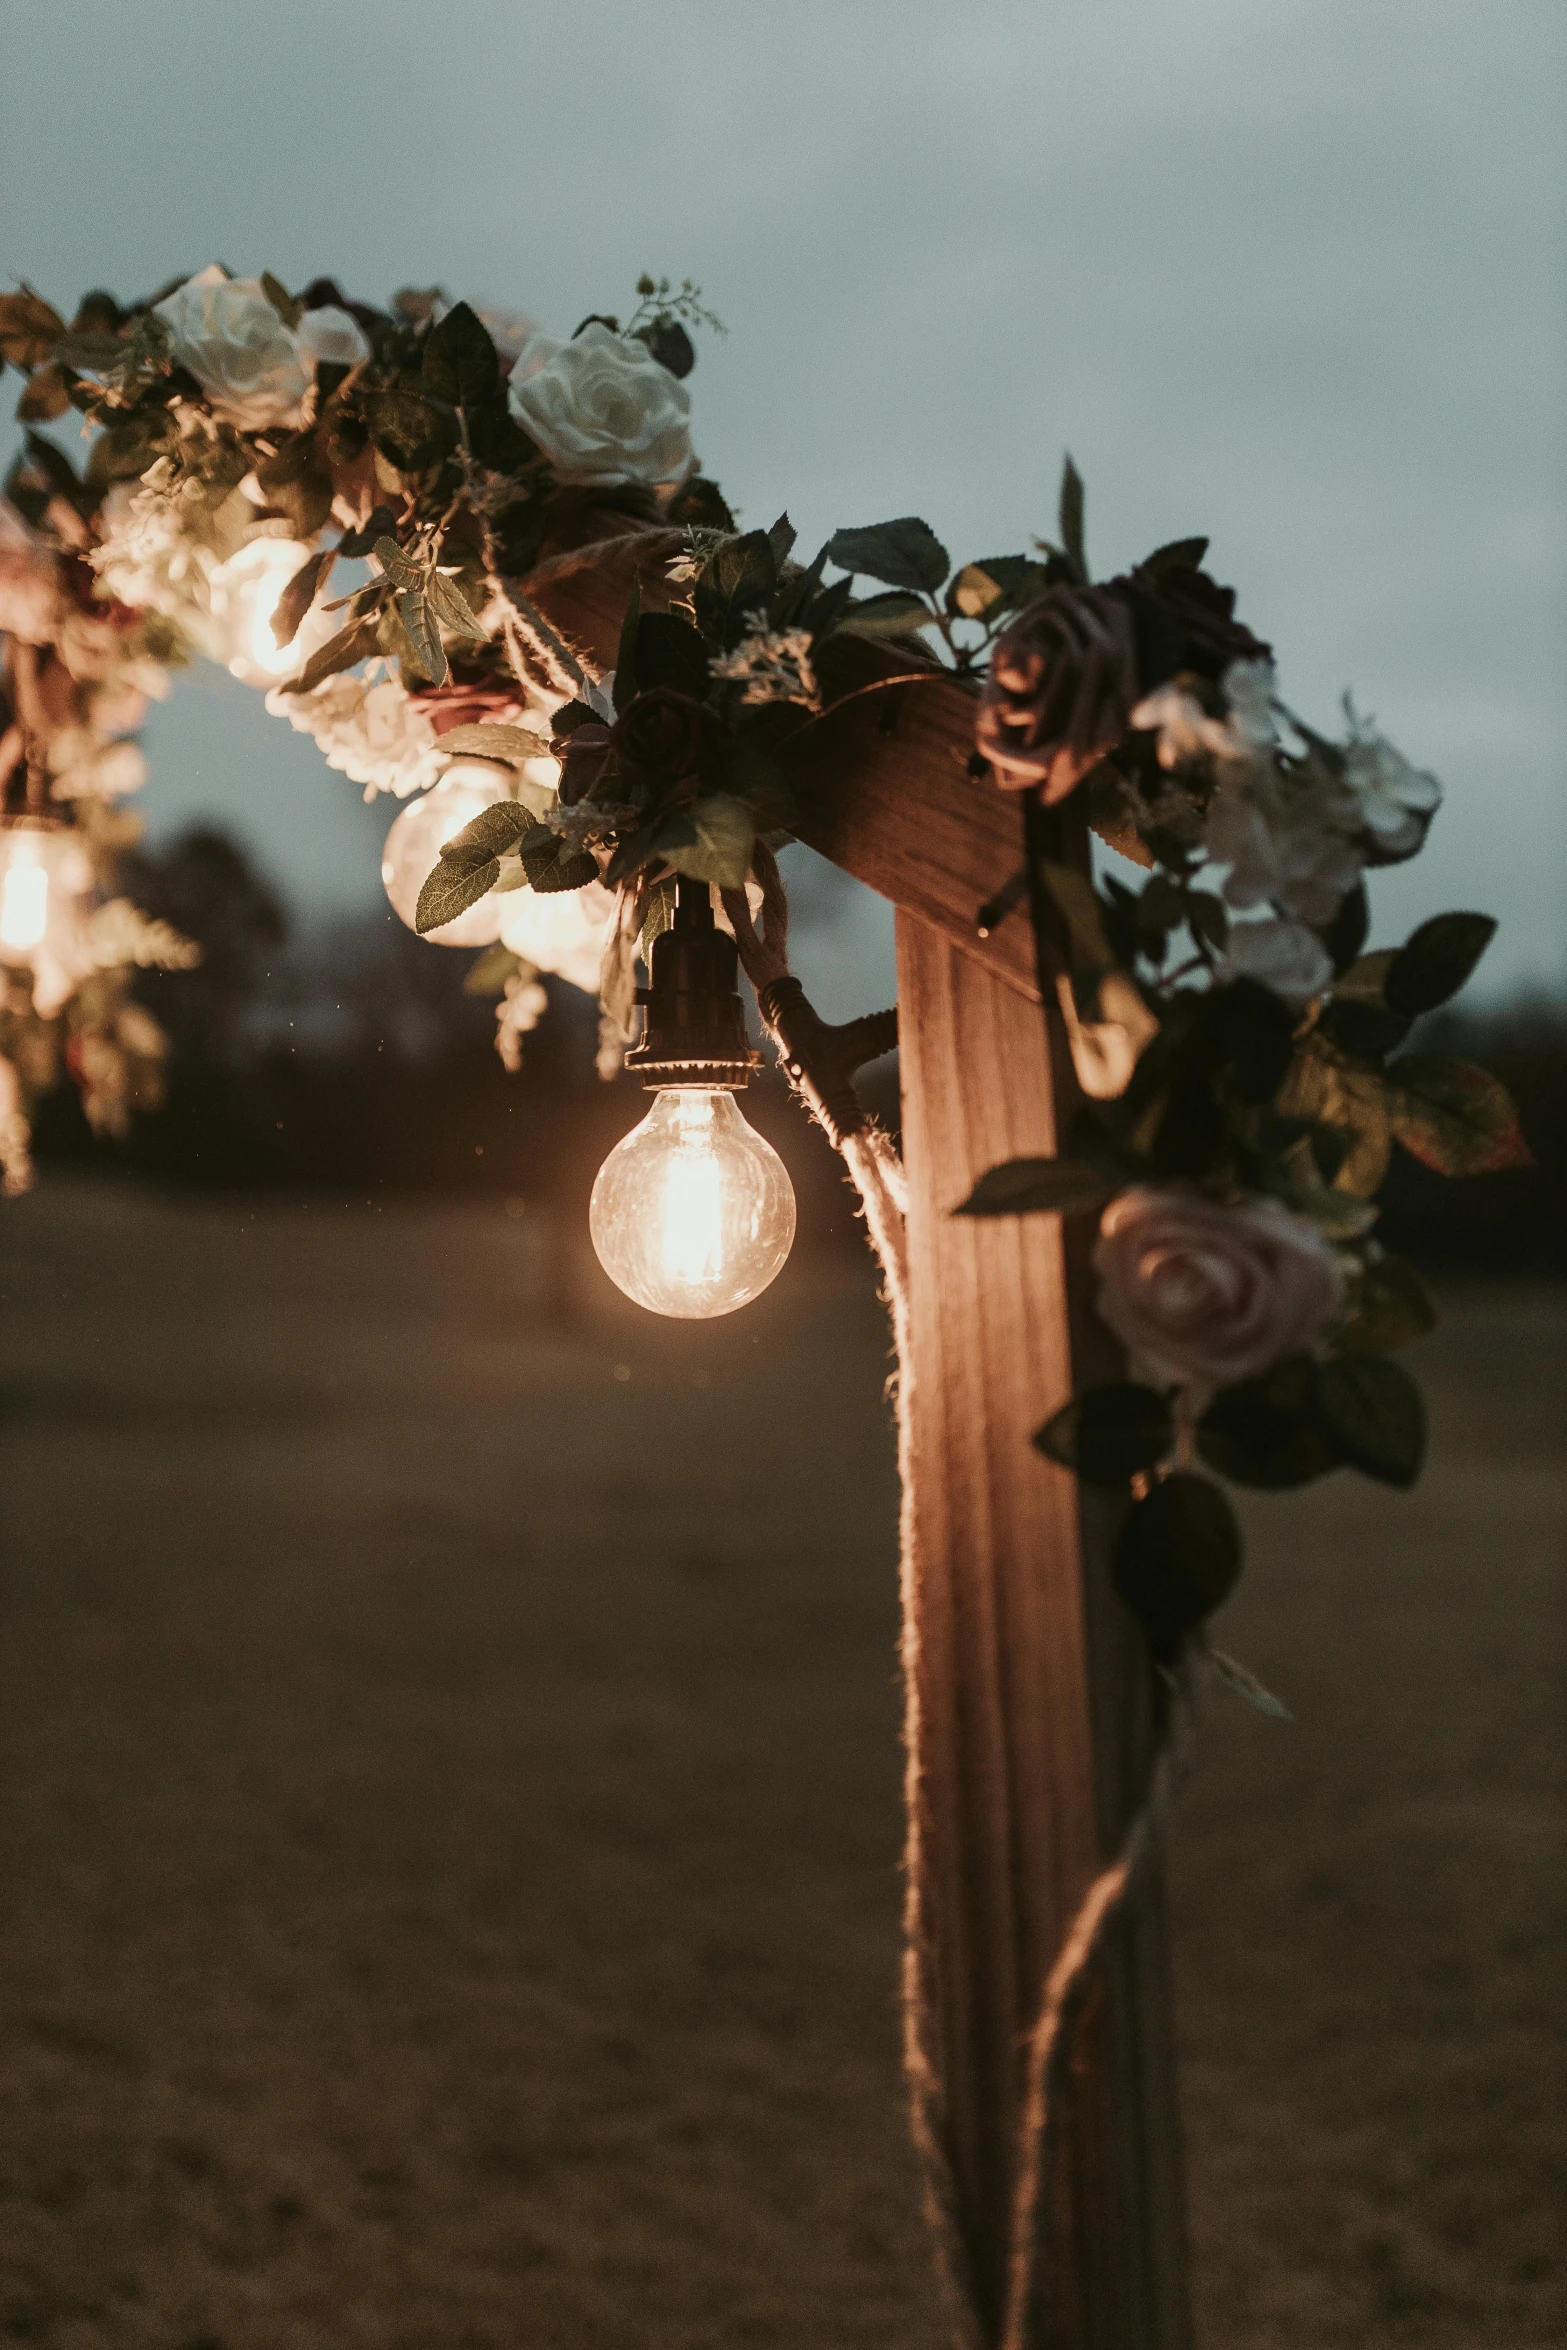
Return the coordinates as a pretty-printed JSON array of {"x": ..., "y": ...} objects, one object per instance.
[{"x": 1028, "y": 1702}]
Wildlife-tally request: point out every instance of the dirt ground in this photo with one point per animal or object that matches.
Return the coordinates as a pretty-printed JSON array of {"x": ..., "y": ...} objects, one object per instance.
[{"x": 449, "y": 1820}]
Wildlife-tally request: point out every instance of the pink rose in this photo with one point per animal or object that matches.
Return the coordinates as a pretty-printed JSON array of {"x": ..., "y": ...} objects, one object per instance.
[{"x": 1209, "y": 1293}]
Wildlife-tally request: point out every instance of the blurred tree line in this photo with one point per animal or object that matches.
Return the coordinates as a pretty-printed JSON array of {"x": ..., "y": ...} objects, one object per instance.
[{"x": 352, "y": 1062}]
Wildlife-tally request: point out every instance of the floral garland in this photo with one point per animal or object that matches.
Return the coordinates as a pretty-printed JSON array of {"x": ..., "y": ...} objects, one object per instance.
[{"x": 1242, "y": 1060}]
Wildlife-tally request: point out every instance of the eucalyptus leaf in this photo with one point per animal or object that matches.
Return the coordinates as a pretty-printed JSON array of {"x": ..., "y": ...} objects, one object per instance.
[
  {"x": 905, "y": 553},
  {"x": 1028, "y": 1187}
]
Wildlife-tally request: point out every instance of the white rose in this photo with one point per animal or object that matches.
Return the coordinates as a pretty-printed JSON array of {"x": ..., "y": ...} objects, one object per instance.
[
  {"x": 228, "y": 336},
  {"x": 1395, "y": 801},
  {"x": 602, "y": 409},
  {"x": 1207, "y": 1293},
  {"x": 1283, "y": 956},
  {"x": 330, "y": 337},
  {"x": 369, "y": 732}
]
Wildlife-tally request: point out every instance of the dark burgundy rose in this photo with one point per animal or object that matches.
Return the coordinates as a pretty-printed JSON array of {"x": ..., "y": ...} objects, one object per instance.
[
  {"x": 664, "y": 734},
  {"x": 1062, "y": 684},
  {"x": 1185, "y": 620},
  {"x": 582, "y": 754}
]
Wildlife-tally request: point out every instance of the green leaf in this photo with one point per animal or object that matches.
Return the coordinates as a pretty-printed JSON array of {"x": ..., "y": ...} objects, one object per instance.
[
  {"x": 354, "y": 643},
  {"x": 897, "y": 613},
  {"x": 1436, "y": 961},
  {"x": 1001, "y": 580},
  {"x": 1071, "y": 524},
  {"x": 1375, "y": 1414},
  {"x": 1028, "y": 1187},
  {"x": 711, "y": 841},
  {"x": 408, "y": 430},
  {"x": 451, "y": 610},
  {"x": 1394, "y": 1306},
  {"x": 1264, "y": 1432},
  {"x": 300, "y": 594},
  {"x": 298, "y": 483},
  {"x": 288, "y": 308},
  {"x": 905, "y": 553},
  {"x": 671, "y": 652},
  {"x": 1175, "y": 555},
  {"x": 1454, "y": 1116},
  {"x": 572, "y": 869},
  {"x": 487, "y": 976},
  {"x": 451, "y": 889},
  {"x": 400, "y": 569},
  {"x": 1366, "y": 979},
  {"x": 494, "y": 832},
  {"x": 509, "y": 744},
  {"x": 1177, "y": 1556},
  {"x": 413, "y": 611},
  {"x": 781, "y": 539},
  {"x": 1110, "y": 1433},
  {"x": 45, "y": 398},
  {"x": 745, "y": 570}
]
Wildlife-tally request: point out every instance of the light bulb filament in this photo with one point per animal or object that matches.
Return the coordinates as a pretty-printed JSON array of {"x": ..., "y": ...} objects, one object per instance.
[{"x": 693, "y": 1219}]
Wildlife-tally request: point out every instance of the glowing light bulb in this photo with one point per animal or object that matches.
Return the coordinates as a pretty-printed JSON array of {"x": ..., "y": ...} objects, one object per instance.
[
  {"x": 693, "y": 1213},
  {"x": 245, "y": 593},
  {"x": 415, "y": 841},
  {"x": 559, "y": 930},
  {"x": 24, "y": 899}
]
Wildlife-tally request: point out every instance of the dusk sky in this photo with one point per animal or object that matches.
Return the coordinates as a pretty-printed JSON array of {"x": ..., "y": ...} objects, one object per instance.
[{"x": 1285, "y": 271}]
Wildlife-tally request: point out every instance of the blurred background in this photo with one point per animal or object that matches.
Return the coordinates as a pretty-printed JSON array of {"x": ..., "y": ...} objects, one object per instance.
[{"x": 448, "y": 1877}]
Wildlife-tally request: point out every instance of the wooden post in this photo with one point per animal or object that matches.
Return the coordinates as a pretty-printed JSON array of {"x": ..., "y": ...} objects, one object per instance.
[{"x": 1028, "y": 1687}]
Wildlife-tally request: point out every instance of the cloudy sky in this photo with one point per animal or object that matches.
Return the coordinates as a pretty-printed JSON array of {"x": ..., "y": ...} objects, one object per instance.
[{"x": 1285, "y": 271}]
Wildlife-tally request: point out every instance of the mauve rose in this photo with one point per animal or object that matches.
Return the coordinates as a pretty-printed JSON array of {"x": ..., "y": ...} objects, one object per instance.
[
  {"x": 1204, "y": 1292},
  {"x": 1062, "y": 681},
  {"x": 664, "y": 733}
]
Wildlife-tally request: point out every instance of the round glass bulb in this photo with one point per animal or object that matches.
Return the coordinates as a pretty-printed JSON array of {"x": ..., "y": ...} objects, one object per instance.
[
  {"x": 414, "y": 843},
  {"x": 693, "y": 1213}
]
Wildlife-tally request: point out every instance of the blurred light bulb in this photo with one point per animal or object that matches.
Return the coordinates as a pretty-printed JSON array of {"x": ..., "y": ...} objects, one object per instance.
[
  {"x": 24, "y": 898},
  {"x": 245, "y": 594},
  {"x": 413, "y": 846},
  {"x": 559, "y": 930},
  {"x": 693, "y": 1213}
]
